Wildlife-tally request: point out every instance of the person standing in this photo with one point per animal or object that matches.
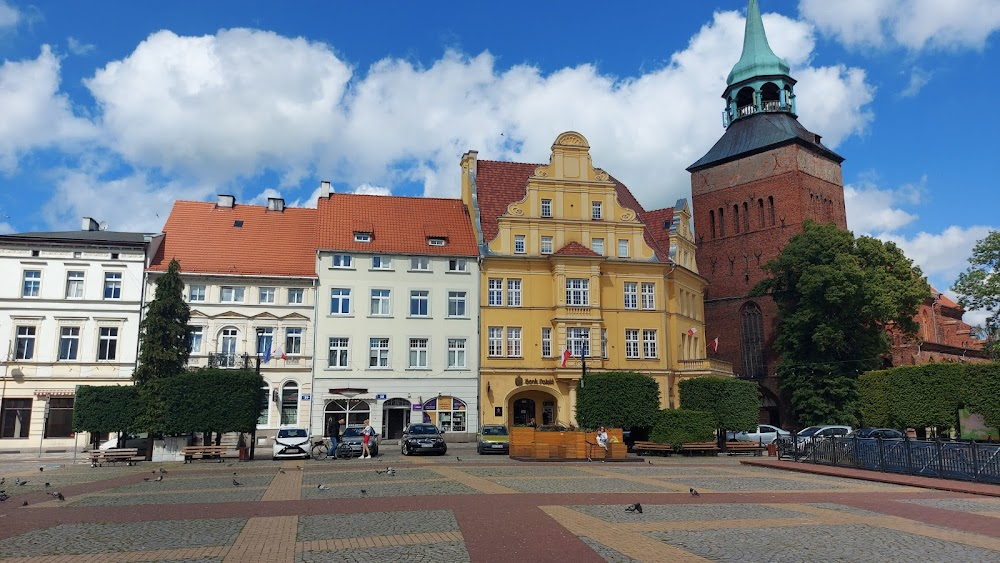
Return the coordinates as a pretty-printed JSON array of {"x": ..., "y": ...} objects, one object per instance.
[
  {"x": 334, "y": 432},
  {"x": 366, "y": 435}
]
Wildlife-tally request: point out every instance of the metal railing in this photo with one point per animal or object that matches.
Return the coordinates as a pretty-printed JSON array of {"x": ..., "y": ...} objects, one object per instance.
[
  {"x": 230, "y": 361},
  {"x": 964, "y": 461}
]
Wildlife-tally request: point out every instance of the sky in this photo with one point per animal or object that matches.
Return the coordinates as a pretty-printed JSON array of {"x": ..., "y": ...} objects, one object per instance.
[{"x": 113, "y": 110}]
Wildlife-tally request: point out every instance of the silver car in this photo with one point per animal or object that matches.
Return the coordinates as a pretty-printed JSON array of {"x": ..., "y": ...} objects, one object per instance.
[
  {"x": 352, "y": 436},
  {"x": 763, "y": 434}
]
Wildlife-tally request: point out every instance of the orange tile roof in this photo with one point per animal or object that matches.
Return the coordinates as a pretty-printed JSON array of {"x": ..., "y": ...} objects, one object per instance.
[
  {"x": 575, "y": 249},
  {"x": 658, "y": 222},
  {"x": 204, "y": 239},
  {"x": 399, "y": 225}
]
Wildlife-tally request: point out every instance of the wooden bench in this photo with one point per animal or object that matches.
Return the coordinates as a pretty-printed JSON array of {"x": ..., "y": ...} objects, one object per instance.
[
  {"x": 192, "y": 453},
  {"x": 128, "y": 456},
  {"x": 700, "y": 447},
  {"x": 652, "y": 447},
  {"x": 737, "y": 448},
  {"x": 667, "y": 449}
]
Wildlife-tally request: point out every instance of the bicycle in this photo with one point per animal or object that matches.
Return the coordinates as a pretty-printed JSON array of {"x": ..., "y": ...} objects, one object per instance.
[
  {"x": 320, "y": 450},
  {"x": 344, "y": 451}
]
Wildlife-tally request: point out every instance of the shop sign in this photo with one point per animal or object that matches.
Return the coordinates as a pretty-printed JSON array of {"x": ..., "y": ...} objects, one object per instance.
[
  {"x": 380, "y": 396},
  {"x": 417, "y": 407}
]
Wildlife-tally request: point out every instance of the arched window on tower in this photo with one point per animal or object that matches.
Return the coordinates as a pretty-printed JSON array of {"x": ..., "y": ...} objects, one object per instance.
[
  {"x": 752, "y": 341},
  {"x": 746, "y": 217},
  {"x": 760, "y": 211},
  {"x": 722, "y": 223},
  {"x": 789, "y": 99},
  {"x": 711, "y": 221},
  {"x": 745, "y": 102},
  {"x": 770, "y": 97},
  {"x": 770, "y": 208},
  {"x": 736, "y": 218}
]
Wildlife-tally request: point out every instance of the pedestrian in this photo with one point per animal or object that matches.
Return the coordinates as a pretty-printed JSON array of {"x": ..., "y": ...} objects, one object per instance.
[
  {"x": 334, "y": 431},
  {"x": 366, "y": 435},
  {"x": 602, "y": 438}
]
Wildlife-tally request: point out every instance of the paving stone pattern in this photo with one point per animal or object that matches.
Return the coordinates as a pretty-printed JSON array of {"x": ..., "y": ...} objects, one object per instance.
[
  {"x": 594, "y": 484},
  {"x": 240, "y": 494},
  {"x": 608, "y": 554},
  {"x": 735, "y": 483},
  {"x": 684, "y": 512},
  {"x": 339, "y": 526},
  {"x": 388, "y": 488},
  {"x": 437, "y": 552},
  {"x": 187, "y": 483},
  {"x": 961, "y": 505},
  {"x": 842, "y": 508},
  {"x": 314, "y": 478}
]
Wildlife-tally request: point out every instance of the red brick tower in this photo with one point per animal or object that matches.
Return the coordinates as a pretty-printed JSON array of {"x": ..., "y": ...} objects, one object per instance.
[{"x": 751, "y": 193}]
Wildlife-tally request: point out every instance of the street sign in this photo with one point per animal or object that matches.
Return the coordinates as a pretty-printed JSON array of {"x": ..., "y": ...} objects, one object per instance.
[
  {"x": 306, "y": 397},
  {"x": 380, "y": 396},
  {"x": 417, "y": 406}
]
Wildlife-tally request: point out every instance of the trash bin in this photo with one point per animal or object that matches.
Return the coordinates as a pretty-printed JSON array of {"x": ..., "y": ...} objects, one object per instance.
[{"x": 772, "y": 449}]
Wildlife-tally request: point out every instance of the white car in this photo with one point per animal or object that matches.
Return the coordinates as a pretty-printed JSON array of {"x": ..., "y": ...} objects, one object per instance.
[
  {"x": 815, "y": 434},
  {"x": 764, "y": 434},
  {"x": 291, "y": 442}
]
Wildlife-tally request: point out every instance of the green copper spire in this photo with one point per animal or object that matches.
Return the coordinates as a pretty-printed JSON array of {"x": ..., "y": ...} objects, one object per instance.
[{"x": 758, "y": 59}]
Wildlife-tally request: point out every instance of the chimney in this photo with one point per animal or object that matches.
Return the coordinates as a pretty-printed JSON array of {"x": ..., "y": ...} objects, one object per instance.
[
  {"x": 275, "y": 204},
  {"x": 226, "y": 200},
  {"x": 90, "y": 225},
  {"x": 325, "y": 188}
]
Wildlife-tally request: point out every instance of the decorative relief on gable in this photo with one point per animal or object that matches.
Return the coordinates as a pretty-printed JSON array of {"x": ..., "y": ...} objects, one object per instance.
[
  {"x": 600, "y": 175},
  {"x": 571, "y": 139},
  {"x": 628, "y": 215},
  {"x": 542, "y": 172},
  {"x": 515, "y": 210}
]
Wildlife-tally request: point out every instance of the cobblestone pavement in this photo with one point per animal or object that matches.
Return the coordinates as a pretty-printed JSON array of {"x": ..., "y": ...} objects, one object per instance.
[{"x": 466, "y": 507}]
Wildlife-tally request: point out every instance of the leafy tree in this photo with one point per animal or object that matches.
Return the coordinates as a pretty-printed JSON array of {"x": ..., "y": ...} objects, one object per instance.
[
  {"x": 164, "y": 333},
  {"x": 734, "y": 404},
  {"x": 836, "y": 295},
  {"x": 979, "y": 287},
  {"x": 617, "y": 399}
]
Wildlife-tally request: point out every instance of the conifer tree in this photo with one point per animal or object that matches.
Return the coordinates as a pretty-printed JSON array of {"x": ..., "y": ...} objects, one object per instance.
[{"x": 164, "y": 333}]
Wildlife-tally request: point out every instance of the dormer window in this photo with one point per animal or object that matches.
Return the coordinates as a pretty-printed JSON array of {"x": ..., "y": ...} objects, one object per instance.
[
  {"x": 437, "y": 241},
  {"x": 361, "y": 236}
]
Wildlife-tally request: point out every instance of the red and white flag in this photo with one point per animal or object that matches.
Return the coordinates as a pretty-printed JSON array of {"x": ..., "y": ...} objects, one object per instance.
[
  {"x": 715, "y": 344},
  {"x": 692, "y": 331},
  {"x": 565, "y": 356}
]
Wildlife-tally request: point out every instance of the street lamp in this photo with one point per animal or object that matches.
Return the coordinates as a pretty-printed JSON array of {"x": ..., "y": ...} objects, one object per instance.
[{"x": 253, "y": 431}]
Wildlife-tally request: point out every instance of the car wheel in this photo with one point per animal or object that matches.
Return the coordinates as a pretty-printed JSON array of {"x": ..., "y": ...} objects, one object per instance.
[
  {"x": 374, "y": 451},
  {"x": 405, "y": 450}
]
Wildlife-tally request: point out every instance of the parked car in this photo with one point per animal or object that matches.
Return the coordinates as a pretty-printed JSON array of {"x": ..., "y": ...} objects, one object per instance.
[
  {"x": 352, "y": 435},
  {"x": 137, "y": 441},
  {"x": 493, "y": 438},
  {"x": 763, "y": 434},
  {"x": 809, "y": 437},
  {"x": 419, "y": 438},
  {"x": 884, "y": 433},
  {"x": 290, "y": 442}
]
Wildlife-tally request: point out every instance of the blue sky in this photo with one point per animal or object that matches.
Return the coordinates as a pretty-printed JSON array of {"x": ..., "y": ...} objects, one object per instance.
[{"x": 114, "y": 110}]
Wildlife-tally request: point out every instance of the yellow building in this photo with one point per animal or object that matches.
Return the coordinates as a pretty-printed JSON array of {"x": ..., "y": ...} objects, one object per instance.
[{"x": 571, "y": 261}]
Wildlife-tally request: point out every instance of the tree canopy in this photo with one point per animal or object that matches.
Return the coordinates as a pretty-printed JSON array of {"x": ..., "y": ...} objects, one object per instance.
[
  {"x": 836, "y": 295},
  {"x": 617, "y": 399},
  {"x": 734, "y": 404},
  {"x": 164, "y": 333},
  {"x": 978, "y": 287}
]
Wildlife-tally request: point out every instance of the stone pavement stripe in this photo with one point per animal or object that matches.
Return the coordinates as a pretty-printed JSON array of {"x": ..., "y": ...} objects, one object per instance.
[
  {"x": 285, "y": 486},
  {"x": 152, "y": 555},
  {"x": 734, "y": 523},
  {"x": 990, "y": 514},
  {"x": 654, "y": 481},
  {"x": 852, "y": 485},
  {"x": 478, "y": 483},
  {"x": 266, "y": 539},
  {"x": 379, "y": 541},
  {"x": 617, "y": 537},
  {"x": 907, "y": 512}
]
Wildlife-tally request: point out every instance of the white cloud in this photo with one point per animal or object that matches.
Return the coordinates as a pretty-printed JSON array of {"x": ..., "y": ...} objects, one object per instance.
[
  {"x": 35, "y": 113},
  {"x": 912, "y": 24},
  {"x": 78, "y": 47},
  {"x": 941, "y": 255},
  {"x": 368, "y": 189},
  {"x": 9, "y": 16},
  {"x": 874, "y": 210},
  {"x": 918, "y": 79}
]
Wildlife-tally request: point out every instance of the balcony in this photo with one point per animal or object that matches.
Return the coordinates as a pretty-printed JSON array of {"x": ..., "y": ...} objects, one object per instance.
[
  {"x": 231, "y": 361},
  {"x": 706, "y": 366}
]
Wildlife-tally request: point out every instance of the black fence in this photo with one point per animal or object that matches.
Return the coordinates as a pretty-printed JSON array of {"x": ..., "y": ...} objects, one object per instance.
[{"x": 965, "y": 461}]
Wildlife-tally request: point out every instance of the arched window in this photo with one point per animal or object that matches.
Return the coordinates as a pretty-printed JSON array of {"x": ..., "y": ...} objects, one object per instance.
[
  {"x": 752, "y": 340},
  {"x": 448, "y": 413},
  {"x": 722, "y": 223},
  {"x": 290, "y": 403},
  {"x": 711, "y": 221},
  {"x": 353, "y": 411},
  {"x": 736, "y": 218},
  {"x": 789, "y": 99},
  {"x": 760, "y": 212},
  {"x": 770, "y": 208},
  {"x": 746, "y": 217},
  {"x": 227, "y": 347},
  {"x": 745, "y": 102},
  {"x": 770, "y": 97}
]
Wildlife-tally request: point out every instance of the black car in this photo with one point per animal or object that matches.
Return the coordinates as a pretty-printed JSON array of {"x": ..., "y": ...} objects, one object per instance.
[
  {"x": 419, "y": 438},
  {"x": 884, "y": 433}
]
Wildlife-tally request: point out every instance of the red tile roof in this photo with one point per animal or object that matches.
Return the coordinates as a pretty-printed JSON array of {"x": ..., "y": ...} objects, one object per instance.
[
  {"x": 399, "y": 225},
  {"x": 657, "y": 234},
  {"x": 575, "y": 249},
  {"x": 204, "y": 239}
]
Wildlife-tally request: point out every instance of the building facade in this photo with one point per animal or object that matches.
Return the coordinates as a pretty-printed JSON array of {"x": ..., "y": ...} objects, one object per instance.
[
  {"x": 70, "y": 308},
  {"x": 397, "y": 324},
  {"x": 249, "y": 279},
  {"x": 572, "y": 263}
]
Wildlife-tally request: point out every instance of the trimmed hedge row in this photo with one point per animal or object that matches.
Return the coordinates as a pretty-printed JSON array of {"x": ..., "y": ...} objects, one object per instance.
[
  {"x": 678, "y": 426},
  {"x": 617, "y": 399},
  {"x": 106, "y": 409},
  {"x": 733, "y": 403}
]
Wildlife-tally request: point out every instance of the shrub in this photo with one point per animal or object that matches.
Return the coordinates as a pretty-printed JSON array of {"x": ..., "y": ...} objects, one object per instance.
[
  {"x": 678, "y": 426},
  {"x": 212, "y": 400},
  {"x": 617, "y": 399},
  {"x": 106, "y": 409},
  {"x": 733, "y": 403}
]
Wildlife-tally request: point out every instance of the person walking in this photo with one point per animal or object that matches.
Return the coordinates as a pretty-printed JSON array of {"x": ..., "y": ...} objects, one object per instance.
[
  {"x": 366, "y": 435},
  {"x": 334, "y": 432}
]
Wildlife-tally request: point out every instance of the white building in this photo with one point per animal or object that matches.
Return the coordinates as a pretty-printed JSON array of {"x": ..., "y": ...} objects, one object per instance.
[
  {"x": 397, "y": 320},
  {"x": 249, "y": 275},
  {"x": 70, "y": 305}
]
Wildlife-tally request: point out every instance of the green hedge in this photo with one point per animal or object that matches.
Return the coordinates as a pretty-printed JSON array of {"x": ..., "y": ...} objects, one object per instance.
[
  {"x": 679, "y": 426},
  {"x": 733, "y": 403},
  {"x": 106, "y": 409},
  {"x": 617, "y": 399},
  {"x": 211, "y": 400}
]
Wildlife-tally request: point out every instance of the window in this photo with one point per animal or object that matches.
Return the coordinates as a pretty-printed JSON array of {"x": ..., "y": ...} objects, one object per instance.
[
  {"x": 59, "y": 424},
  {"x": 107, "y": 346},
  {"x": 458, "y": 265},
  {"x": 752, "y": 341},
  {"x": 649, "y": 343},
  {"x": 578, "y": 292},
  {"x": 419, "y": 303},
  {"x": 418, "y": 353},
  {"x": 604, "y": 343},
  {"x": 112, "y": 285},
  {"x": 265, "y": 341},
  {"x": 514, "y": 342},
  {"x": 362, "y": 237},
  {"x": 74, "y": 285},
  {"x": 266, "y": 295},
  {"x": 648, "y": 295},
  {"x": 196, "y": 338},
  {"x": 32, "y": 283},
  {"x": 578, "y": 341},
  {"x": 196, "y": 293},
  {"x": 495, "y": 291},
  {"x": 546, "y": 245},
  {"x": 631, "y": 343},
  {"x": 420, "y": 263},
  {"x": 69, "y": 342},
  {"x": 519, "y": 244},
  {"x": 513, "y": 293},
  {"x": 378, "y": 352},
  {"x": 293, "y": 340},
  {"x": 231, "y": 294},
  {"x": 596, "y": 210},
  {"x": 340, "y": 301},
  {"x": 296, "y": 296},
  {"x": 290, "y": 403},
  {"x": 338, "y": 353},
  {"x": 341, "y": 261},
  {"x": 227, "y": 348},
  {"x": 381, "y": 305},
  {"x": 25, "y": 343},
  {"x": 546, "y": 342},
  {"x": 456, "y": 353},
  {"x": 597, "y": 245},
  {"x": 456, "y": 304},
  {"x": 381, "y": 263},
  {"x": 623, "y": 248},
  {"x": 436, "y": 241},
  {"x": 546, "y": 208},
  {"x": 15, "y": 418},
  {"x": 631, "y": 295},
  {"x": 494, "y": 346}
]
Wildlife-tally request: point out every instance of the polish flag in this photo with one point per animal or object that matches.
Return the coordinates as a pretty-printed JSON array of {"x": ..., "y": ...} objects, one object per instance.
[
  {"x": 715, "y": 344},
  {"x": 692, "y": 331},
  {"x": 565, "y": 357}
]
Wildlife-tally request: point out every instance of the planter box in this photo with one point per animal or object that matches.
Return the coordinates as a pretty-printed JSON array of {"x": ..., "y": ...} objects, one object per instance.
[
  {"x": 541, "y": 451},
  {"x": 522, "y": 436},
  {"x": 574, "y": 438},
  {"x": 618, "y": 450}
]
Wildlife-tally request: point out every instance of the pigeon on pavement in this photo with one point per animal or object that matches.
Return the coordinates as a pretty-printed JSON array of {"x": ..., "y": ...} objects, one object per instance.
[
  {"x": 19, "y": 482},
  {"x": 56, "y": 494},
  {"x": 160, "y": 478},
  {"x": 46, "y": 484},
  {"x": 162, "y": 471},
  {"x": 364, "y": 492},
  {"x": 237, "y": 483},
  {"x": 25, "y": 503},
  {"x": 3, "y": 496},
  {"x": 634, "y": 508},
  {"x": 282, "y": 471},
  {"x": 323, "y": 487},
  {"x": 40, "y": 469},
  {"x": 145, "y": 478},
  {"x": 694, "y": 493}
]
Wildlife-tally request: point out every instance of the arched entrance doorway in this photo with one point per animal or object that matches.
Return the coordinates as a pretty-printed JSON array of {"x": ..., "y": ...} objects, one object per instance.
[
  {"x": 524, "y": 412},
  {"x": 395, "y": 417},
  {"x": 353, "y": 411},
  {"x": 534, "y": 406}
]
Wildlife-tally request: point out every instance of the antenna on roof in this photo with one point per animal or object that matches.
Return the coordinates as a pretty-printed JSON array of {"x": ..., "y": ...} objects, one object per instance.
[{"x": 103, "y": 225}]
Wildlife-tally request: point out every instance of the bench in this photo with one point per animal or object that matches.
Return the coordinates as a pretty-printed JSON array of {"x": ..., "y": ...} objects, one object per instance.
[
  {"x": 667, "y": 449},
  {"x": 652, "y": 447},
  {"x": 737, "y": 448},
  {"x": 128, "y": 456},
  {"x": 702, "y": 447},
  {"x": 192, "y": 453}
]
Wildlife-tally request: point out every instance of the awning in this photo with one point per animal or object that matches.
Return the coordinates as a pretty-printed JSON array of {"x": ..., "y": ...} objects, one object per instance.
[{"x": 55, "y": 392}]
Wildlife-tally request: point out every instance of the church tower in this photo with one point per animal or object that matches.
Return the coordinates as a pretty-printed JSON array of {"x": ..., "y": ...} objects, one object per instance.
[{"x": 751, "y": 193}]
